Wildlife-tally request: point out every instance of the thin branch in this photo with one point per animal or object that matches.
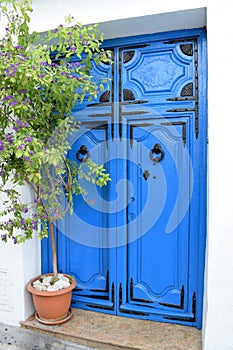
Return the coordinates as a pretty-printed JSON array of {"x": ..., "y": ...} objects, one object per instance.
[
  {"x": 30, "y": 184},
  {"x": 68, "y": 186},
  {"x": 54, "y": 251}
]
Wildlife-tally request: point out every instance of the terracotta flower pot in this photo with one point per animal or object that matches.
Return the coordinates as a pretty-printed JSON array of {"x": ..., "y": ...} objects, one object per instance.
[{"x": 52, "y": 307}]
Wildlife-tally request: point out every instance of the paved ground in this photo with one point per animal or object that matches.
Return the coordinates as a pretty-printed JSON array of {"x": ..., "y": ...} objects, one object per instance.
[
  {"x": 17, "y": 338},
  {"x": 95, "y": 330}
]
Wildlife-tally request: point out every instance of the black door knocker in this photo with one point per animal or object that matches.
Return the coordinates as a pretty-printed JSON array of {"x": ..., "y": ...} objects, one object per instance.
[
  {"x": 157, "y": 149},
  {"x": 84, "y": 152}
]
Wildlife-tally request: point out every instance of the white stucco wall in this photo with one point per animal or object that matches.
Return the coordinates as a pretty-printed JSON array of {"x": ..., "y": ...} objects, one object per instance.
[
  {"x": 18, "y": 264},
  {"x": 219, "y": 268},
  {"x": 218, "y": 306}
]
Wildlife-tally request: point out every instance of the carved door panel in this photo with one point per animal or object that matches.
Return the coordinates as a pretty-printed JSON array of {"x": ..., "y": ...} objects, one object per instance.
[
  {"x": 134, "y": 246},
  {"x": 159, "y": 168}
]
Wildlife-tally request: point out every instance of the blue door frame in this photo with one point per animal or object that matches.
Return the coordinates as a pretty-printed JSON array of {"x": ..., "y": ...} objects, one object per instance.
[{"x": 142, "y": 252}]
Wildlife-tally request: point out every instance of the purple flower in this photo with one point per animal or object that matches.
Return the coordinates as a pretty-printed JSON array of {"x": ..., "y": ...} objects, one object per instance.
[
  {"x": 41, "y": 76},
  {"x": 2, "y": 172},
  {"x": 22, "y": 222},
  {"x": 11, "y": 73},
  {"x": 29, "y": 139},
  {"x": 3, "y": 237},
  {"x": 35, "y": 200},
  {"x": 31, "y": 152},
  {"x": 19, "y": 47},
  {"x": 1, "y": 145},
  {"x": 19, "y": 122},
  {"x": 9, "y": 138},
  {"x": 55, "y": 30},
  {"x": 14, "y": 239},
  {"x": 26, "y": 158},
  {"x": 73, "y": 48},
  {"x": 25, "y": 210},
  {"x": 13, "y": 103},
  {"x": 16, "y": 176},
  {"x": 75, "y": 64},
  {"x": 7, "y": 29},
  {"x": 33, "y": 67},
  {"x": 22, "y": 91},
  {"x": 43, "y": 63},
  {"x": 9, "y": 97},
  {"x": 21, "y": 147}
]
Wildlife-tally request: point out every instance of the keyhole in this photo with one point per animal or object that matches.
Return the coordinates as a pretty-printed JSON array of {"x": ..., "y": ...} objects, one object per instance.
[{"x": 146, "y": 174}]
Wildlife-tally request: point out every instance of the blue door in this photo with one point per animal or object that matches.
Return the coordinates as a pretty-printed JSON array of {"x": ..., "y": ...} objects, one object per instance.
[{"x": 136, "y": 247}]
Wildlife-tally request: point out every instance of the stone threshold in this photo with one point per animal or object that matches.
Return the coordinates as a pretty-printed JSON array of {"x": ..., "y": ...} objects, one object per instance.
[{"x": 107, "y": 332}]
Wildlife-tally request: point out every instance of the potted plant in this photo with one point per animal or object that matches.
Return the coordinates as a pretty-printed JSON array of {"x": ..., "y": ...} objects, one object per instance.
[{"x": 41, "y": 78}]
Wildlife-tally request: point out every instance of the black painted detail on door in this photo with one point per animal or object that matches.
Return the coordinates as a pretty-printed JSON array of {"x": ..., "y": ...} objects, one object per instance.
[
  {"x": 187, "y": 90},
  {"x": 131, "y": 312},
  {"x": 128, "y": 95},
  {"x": 195, "y": 98},
  {"x": 181, "y": 306},
  {"x": 105, "y": 97},
  {"x": 106, "y": 290},
  {"x": 103, "y": 127},
  {"x": 132, "y": 126},
  {"x": 128, "y": 55},
  {"x": 187, "y": 49},
  {"x": 137, "y": 299},
  {"x": 184, "y": 129},
  {"x": 105, "y": 307},
  {"x": 122, "y": 56},
  {"x": 186, "y": 319}
]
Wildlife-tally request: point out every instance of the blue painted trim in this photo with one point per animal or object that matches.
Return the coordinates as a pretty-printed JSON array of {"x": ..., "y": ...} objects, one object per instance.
[{"x": 202, "y": 230}]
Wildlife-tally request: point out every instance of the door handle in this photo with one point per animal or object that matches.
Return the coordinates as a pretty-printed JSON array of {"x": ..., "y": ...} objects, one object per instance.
[
  {"x": 157, "y": 149},
  {"x": 84, "y": 152}
]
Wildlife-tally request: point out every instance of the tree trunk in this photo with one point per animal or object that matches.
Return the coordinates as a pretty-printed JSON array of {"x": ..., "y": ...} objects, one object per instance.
[{"x": 54, "y": 250}]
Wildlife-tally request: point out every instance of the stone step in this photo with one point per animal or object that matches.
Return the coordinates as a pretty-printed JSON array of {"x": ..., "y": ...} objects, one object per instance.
[{"x": 107, "y": 332}]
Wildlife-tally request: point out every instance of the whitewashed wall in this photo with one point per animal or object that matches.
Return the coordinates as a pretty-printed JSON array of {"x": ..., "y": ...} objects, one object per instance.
[
  {"x": 218, "y": 308},
  {"x": 18, "y": 264}
]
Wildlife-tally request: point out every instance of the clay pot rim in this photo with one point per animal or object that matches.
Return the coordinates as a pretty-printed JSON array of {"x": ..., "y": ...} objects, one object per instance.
[{"x": 46, "y": 293}]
